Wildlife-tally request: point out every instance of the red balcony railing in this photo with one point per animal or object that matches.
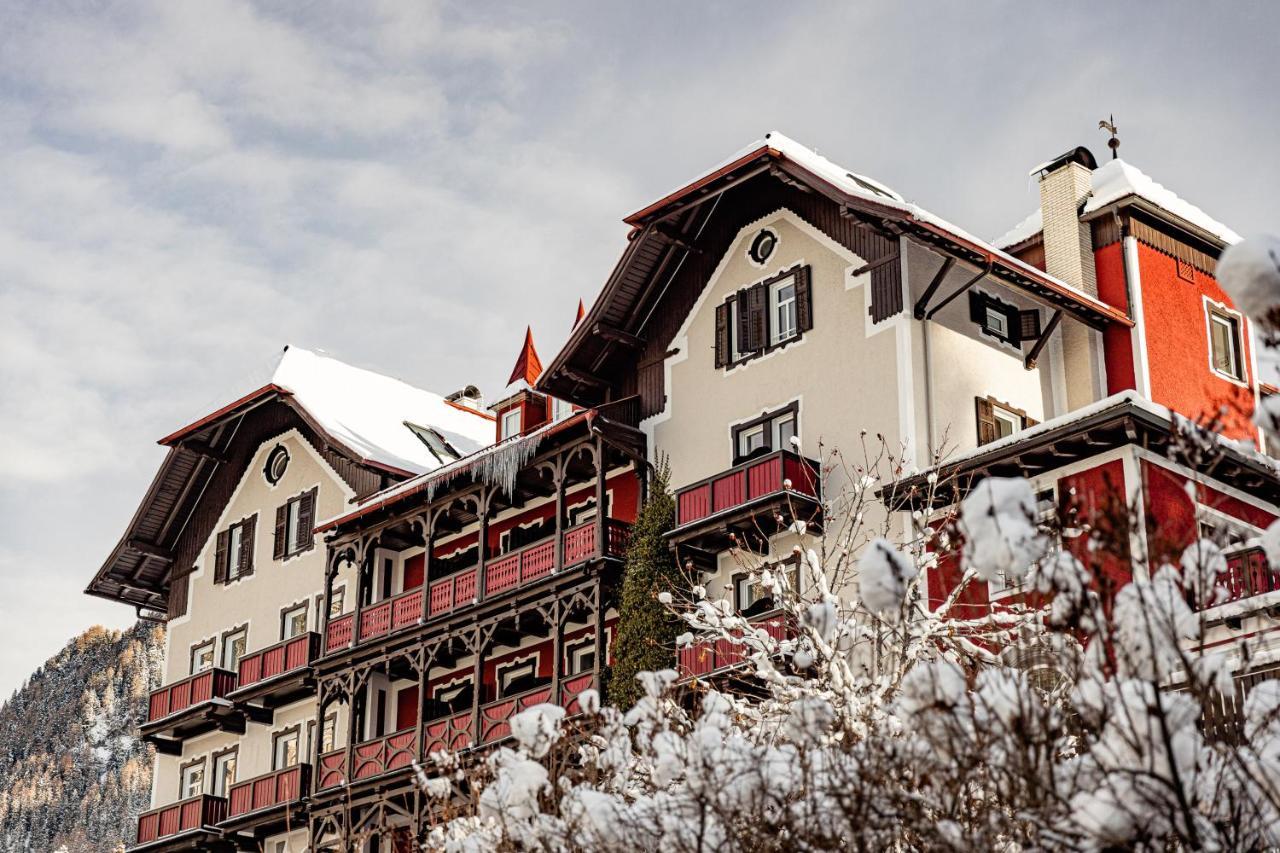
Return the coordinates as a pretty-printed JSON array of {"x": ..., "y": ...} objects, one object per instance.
[
  {"x": 273, "y": 661},
  {"x": 447, "y": 734},
  {"x": 183, "y": 816},
  {"x": 495, "y": 718},
  {"x": 189, "y": 692},
  {"x": 272, "y": 789},
  {"x": 383, "y": 754},
  {"x": 780, "y": 472},
  {"x": 706, "y": 656},
  {"x": 459, "y": 590},
  {"x": 571, "y": 688},
  {"x": 332, "y": 769},
  {"x": 1248, "y": 574}
]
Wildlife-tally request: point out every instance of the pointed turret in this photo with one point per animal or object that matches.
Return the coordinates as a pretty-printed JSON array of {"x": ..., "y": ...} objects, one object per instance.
[
  {"x": 528, "y": 365},
  {"x": 582, "y": 312}
]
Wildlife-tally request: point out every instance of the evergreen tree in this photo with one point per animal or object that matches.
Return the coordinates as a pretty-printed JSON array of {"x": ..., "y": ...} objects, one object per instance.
[{"x": 646, "y": 631}]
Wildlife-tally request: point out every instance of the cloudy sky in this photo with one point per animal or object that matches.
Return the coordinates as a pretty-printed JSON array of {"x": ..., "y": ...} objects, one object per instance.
[{"x": 187, "y": 186}]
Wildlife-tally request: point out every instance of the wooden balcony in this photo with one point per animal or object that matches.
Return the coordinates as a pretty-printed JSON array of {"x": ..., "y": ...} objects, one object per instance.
[
  {"x": 190, "y": 823},
  {"x": 1248, "y": 574},
  {"x": 267, "y": 798},
  {"x": 745, "y": 495},
  {"x": 462, "y": 589},
  {"x": 191, "y": 706},
  {"x": 450, "y": 733},
  {"x": 280, "y": 673},
  {"x": 706, "y": 657}
]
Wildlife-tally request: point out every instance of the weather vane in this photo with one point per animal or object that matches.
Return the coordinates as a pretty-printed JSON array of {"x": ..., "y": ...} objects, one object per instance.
[{"x": 1109, "y": 124}]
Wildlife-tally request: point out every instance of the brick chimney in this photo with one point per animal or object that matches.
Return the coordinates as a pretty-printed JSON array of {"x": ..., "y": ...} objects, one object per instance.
[{"x": 1068, "y": 243}]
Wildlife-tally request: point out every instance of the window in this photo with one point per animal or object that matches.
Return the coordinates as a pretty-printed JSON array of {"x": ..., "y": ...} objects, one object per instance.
[
  {"x": 767, "y": 433},
  {"x": 440, "y": 448},
  {"x": 284, "y": 749},
  {"x": 277, "y": 463},
  {"x": 997, "y": 420},
  {"x": 224, "y": 772},
  {"x": 762, "y": 246},
  {"x": 202, "y": 657},
  {"x": 580, "y": 657},
  {"x": 191, "y": 780},
  {"x": 295, "y": 525},
  {"x": 518, "y": 677},
  {"x": 764, "y": 316},
  {"x": 293, "y": 621},
  {"x": 1002, "y": 320},
  {"x": 233, "y": 646},
  {"x": 751, "y": 599},
  {"x": 1224, "y": 344},
  {"x": 233, "y": 555},
  {"x": 337, "y": 602},
  {"x": 456, "y": 696},
  {"x": 329, "y": 733},
  {"x": 782, "y": 311},
  {"x": 560, "y": 409},
  {"x": 510, "y": 423}
]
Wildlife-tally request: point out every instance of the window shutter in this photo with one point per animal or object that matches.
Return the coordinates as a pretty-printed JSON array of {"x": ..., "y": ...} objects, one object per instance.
[
  {"x": 758, "y": 301},
  {"x": 282, "y": 537},
  {"x": 804, "y": 300},
  {"x": 307, "y": 520},
  {"x": 743, "y": 307},
  {"x": 1029, "y": 324},
  {"x": 250, "y": 526},
  {"x": 722, "y": 333},
  {"x": 986, "y": 421},
  {"x": 977, "y": 307},
  {"x": 220, "y": 557}
]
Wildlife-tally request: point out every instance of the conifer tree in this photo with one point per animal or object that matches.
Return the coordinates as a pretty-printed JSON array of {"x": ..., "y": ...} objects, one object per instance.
[{"x": 646, "y": 631}]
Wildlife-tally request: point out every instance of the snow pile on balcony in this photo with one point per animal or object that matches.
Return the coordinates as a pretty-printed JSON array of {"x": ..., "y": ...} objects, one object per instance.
[
  {"x": 367, "y": 412},
  {"x": 1118, "y": 180}
]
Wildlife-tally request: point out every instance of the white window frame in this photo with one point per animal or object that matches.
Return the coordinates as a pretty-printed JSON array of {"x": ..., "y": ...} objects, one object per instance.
[
  {"x": 191, "y": 780},
  {"x": 995, "y": 321},
  {"x": 560, "y": 409},
  {"x": 228, "y": 643},
  {"x": 575, "y": 652},
  {"x": 1217, "y": 312},
  {"x": 221, "y": 786},
  {"x": 286, "y": 619},
  {"x": 735, "y": 332},
  {"x": 451, "y": 688},
  {"x": 778, "y": 307},
  {"x": 235, "y": 537},
  {"x": 284, "y": 737},
  {"x": 292, "y": 536},
  {"x": 511, "y": 423},
  {"x": 756, "y": 431},
  {"x": 1001, "y": 415},
  {"x": 337, "y": 601},
  {"x": 212, "y": 646},
  {"x": 776, "y": 425}
]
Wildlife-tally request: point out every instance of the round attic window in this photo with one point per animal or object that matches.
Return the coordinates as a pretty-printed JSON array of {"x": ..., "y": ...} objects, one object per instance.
[
  {"x": 762, "y": 246},
  {"x": 277, "y": 462}
]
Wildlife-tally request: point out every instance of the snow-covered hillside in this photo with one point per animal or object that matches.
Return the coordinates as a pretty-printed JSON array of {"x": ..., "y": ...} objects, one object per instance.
[{"x": 73, "y": 774}]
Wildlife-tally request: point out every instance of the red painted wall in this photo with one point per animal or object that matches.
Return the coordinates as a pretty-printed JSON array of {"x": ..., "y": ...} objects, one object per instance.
[
  {"x": 1117, "y": 341},
  {"x": 1178, "y": 346},
  {"x": 1171, "y": 514}
]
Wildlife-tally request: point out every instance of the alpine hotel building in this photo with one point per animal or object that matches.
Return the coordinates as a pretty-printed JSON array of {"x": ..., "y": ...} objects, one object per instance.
[{"x": 356, "y": 573}]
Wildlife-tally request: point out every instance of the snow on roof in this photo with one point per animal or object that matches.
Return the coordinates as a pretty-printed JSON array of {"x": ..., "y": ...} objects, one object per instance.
[
  {"x": 367, "y": 411},
  {"x": 1118, "y": 180},
  {"x": 873, "y": 191}
]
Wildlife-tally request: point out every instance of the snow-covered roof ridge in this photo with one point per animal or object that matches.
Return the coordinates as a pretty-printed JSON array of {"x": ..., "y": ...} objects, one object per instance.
[
  {"x": 1117, "y": 180},
  {"x": 367, "y": 411}
]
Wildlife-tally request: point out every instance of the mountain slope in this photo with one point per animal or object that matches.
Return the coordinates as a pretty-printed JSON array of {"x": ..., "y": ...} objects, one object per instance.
[{"x": 73, "y": 773}]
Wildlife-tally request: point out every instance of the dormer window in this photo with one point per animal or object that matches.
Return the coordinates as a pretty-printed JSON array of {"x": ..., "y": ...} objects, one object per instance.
[
  {"x": 560, "y": 409},
  {"x": 1002, "y": 320},
  {"x": 510, "y": 423}
]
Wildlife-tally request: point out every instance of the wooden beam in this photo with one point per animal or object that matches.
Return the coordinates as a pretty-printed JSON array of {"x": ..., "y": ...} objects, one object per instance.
[
  {"x": 613, "y": 333},
  {"x": 985, "y": 271},
  {"x": 201, "y": 448},
  {"x": 672, "y": 235},
  {"x": 149, "y": 548},
  {"x": 876, "y": 264},
  {"x": 923, "y": 302},
  {"x": 583, "y": 377},
  {"x": 1043, "y": 339}
]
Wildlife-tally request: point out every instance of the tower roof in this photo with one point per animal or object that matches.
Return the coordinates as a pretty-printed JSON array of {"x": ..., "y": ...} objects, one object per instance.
[
  {"x": 528, "y": 366},
  {"x": 582, "y": 312}
]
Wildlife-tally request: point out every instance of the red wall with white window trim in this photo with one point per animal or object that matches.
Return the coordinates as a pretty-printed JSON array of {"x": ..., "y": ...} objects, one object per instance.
[
  {"x": 1171, "y": 513},
  {"x": 1178, "y": 346}
]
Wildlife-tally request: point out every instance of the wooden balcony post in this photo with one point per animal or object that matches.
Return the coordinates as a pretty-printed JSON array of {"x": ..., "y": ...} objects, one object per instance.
[
  {"x": 322, "y": 619},
  {"x": 362, "y": 562},
  {"x": 479, "y": 643},
  {"x": 423, "y": 664},
  {"x": 482, "y": 544},
  {"x": 557, "y": 649},
  {"x": 601, "y": 494},
  {"x": 598, "y": 604},
  {"x": 560, "y": 474},
  {"x": 429, "y": 538}
]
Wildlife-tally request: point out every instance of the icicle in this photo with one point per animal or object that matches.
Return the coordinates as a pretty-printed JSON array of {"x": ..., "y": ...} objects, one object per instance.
[{"x": 499, "y": 465}]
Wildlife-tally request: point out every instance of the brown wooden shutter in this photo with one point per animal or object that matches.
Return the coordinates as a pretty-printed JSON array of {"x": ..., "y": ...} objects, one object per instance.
[
  {"x": 742, "y": 304},
  {"x": 282, "y": 535},
  {"x": 220, "y": 557},
  {"x": 250, "y": 526},
  {"x": 754, "y": 322},
  {"x": 804, "y": 300},
  {"x": 722, "y": 333},
  {"x": 307, "y": 520},
  {"x": 986, "y": 420},
  {"x": 1028, "y": 325}
]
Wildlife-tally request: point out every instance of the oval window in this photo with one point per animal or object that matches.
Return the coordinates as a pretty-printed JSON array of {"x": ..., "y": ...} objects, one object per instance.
[
  {"x": 762, "y": 246},
  {"x": 277, "y": 462}
]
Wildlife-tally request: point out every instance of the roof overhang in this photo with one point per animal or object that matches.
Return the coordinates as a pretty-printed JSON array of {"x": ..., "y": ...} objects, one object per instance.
[
  {"x": 1126, "y": 423},
  {"x": 653, "y": 231}
]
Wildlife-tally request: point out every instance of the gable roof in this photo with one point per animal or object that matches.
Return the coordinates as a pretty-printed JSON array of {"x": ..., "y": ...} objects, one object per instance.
[
  {"x": 357, "y": 419},
  {"x": 669, "y": 222},
  {"x": 1119, "y": 183}
]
